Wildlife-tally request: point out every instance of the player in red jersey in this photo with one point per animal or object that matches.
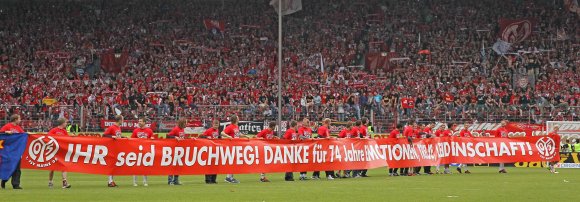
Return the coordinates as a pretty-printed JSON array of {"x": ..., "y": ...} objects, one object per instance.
[
  {"x": 291, "y": 134},
  {"x": 395, "y": 134},
  {"x": 267, "y": 134},
  {"x": 439, "y": 133},
  {"x": 552, "y": 164},
  {"x": 503, "y": 132},
  {"x": 348, "y": 132},
  {"x": 363, "y": 134},
  {"x": 448, "y": 132},
  {"x": 305, "y": 133},
  {"x": 427, "y": 132},
  {"x": 11, "y": 128},
  {"x": 409, "y": 133},
  {"x": 324, "y": 133},
  {"x": 178, "y": 132},
  {"x": 142, "y": 132},
  {"x": 212, "y": 133},
  {"x": 465, "y": 132},
  {"x": 114, "y": 131},
  {"x": 232, "y": 131},
  {"x": 59, "y": 130}
]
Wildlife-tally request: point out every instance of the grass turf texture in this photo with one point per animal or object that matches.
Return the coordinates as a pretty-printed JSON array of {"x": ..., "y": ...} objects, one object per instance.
[{"x": 485, "y": 184}]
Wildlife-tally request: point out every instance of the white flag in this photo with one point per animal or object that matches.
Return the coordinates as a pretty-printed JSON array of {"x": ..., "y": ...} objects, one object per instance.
[
  {"x": 288, "y": 6},
  {"x": 501, "y": 47}
]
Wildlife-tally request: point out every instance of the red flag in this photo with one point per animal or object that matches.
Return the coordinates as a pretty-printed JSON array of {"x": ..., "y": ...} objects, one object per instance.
[
  {"x": 514, "y": 31},
  {"x": 217, "y": 25},
  {"x": 114, "y": 62}
]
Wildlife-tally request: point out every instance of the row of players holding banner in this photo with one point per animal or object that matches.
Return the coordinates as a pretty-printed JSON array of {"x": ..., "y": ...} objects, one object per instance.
[{"x": 297, "y": 131}]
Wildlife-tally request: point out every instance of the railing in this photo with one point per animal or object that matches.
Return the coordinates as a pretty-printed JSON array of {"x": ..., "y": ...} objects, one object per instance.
[
  {"x": 514, "y": 113},
  {"x": 41, "y": 118}
]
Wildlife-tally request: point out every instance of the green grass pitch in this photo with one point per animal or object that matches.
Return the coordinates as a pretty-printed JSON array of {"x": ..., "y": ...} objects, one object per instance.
[{"x": 484, "y": 184}]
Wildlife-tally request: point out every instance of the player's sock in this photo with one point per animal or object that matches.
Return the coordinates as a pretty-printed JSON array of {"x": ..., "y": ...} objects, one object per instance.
[
  {"x": 262, "y": 176},
  {"x": 110, "y": 178}
]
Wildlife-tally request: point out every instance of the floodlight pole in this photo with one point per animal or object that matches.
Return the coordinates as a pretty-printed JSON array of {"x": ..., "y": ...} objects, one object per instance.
[{"x": 279, "y": 122}]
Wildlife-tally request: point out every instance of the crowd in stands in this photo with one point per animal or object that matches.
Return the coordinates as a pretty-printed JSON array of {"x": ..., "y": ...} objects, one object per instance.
[{"x": 176, "y": 67}]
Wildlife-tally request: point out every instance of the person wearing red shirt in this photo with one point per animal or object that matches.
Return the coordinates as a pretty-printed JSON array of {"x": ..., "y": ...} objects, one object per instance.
[
  {"x": 142, "y": 132},
  {"x": 267, "y": 134},
  {"x": 503, "y": 133},
  {"x": 212, "y": 133},
  {"x": 176, "y": 133},
  {"x": 439, "y": 131},
  {"x": 409, "y": 133},
  {"x": 11, "y": 128},
  {"x": 428, "y": 130},
  {"x": 356, "y": 129},
  {"x": 363, "y": 134},
  {"x": 448, "y": 133},
  {"x": 364, "y": 128},
  {"x": 59, "y": 130},
  {"x": 394, "y": 135},
  {"x": 427, "y": 133},
  {"x": 305, "y": 133},
  {"x": 464, "y": 133},
  {"x": 346, "y": 132},
  {"x": 114, "y": 131},
  {"x": 291, "y": 134},
  {"x": 324, "y": 133},
  {"x": 232, "y": 131},
  {"x": 551, "y": 165}
]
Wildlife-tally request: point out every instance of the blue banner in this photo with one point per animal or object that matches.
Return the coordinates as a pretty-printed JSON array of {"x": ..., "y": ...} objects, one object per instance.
[{"x": 11, "y": 149}]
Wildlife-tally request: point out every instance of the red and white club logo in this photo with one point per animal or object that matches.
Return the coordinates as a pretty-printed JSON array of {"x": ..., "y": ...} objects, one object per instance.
[
  {"x": 517, "y": 31},
  {"x": 42, "y": 151},
  {"x": 546, "y": 147}
]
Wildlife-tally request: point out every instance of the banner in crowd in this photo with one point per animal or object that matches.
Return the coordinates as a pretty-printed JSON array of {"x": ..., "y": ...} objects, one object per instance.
[
  {"x": 572, "y": 6},
  {"x": 378, "y": 61},
  {"x": 11, "y": 148},
  {"x": 113, "y": 62},
  {"x": 515, "y": 30},
  {"x": 203, "y": 156},
  {"x": 214, "y": 25}
]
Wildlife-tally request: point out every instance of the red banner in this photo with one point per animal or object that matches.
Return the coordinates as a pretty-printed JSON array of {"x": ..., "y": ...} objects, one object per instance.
[
  {"x": 128, "y": 125},
  {"x": 515, "y": 31},
  {"x": 113, "y": 62},
  {"x": 202, "y": 156},
  {"x": 217, "y": 25}
]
